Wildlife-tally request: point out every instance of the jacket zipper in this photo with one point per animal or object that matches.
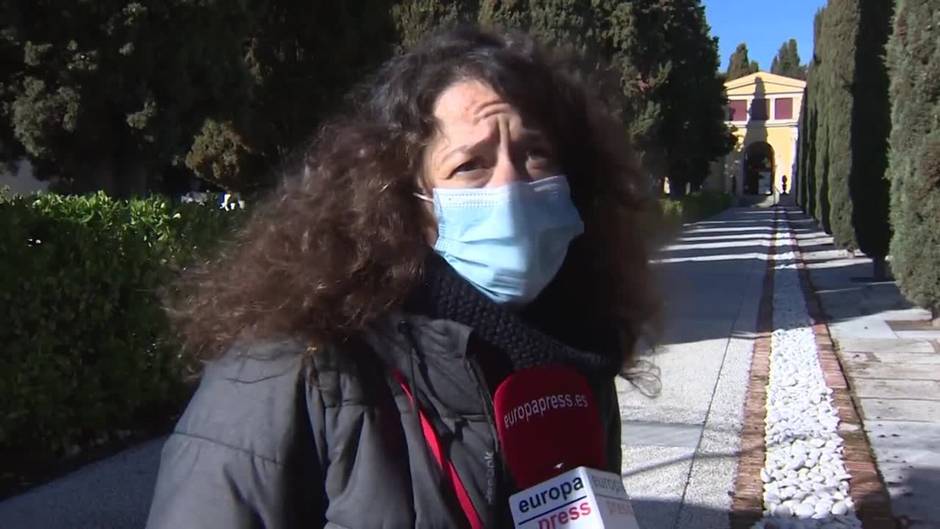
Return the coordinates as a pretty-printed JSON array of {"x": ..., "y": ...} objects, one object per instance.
[
  {"x": 486, "y": 395},
  {"x": 405, "y": 329}
]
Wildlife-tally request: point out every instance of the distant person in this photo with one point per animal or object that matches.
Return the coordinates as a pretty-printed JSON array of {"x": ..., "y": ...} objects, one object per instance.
[
  {"x": 475, "y": 215},
  {"x": 783, "y": 185}
]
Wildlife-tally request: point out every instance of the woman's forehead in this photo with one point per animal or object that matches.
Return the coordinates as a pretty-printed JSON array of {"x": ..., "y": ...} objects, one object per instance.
[
  {"x": 472, "y": 108},
  {"x": 467, "y": 103}
]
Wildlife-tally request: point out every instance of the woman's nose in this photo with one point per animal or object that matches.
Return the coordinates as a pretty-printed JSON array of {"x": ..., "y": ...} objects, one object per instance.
[{"x": 507, "y": 170}]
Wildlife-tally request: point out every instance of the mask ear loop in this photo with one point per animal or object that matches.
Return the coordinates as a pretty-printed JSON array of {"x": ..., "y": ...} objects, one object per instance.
[{"x": 423, "y": 197}]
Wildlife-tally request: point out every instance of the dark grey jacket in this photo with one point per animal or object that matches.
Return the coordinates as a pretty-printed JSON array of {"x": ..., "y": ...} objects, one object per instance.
[{"x": 276, "y": 441}]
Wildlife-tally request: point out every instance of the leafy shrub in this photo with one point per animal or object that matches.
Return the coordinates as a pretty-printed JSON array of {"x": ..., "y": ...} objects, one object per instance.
[
  {"x": 692, "y": 208},
  {"x": 86, "y": 347}
]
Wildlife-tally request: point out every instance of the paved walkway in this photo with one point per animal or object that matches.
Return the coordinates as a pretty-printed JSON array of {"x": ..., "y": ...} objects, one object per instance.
[
  {"x": 892, "y": 362},
  {"x": 110, "y": 494},
  {"x": 680, "y": 449}
]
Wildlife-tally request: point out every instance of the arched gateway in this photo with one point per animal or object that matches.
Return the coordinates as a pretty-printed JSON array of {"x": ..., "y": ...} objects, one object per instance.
[
  {"x": 764, "y": 112},
  {"x": 757, "y": 168}
]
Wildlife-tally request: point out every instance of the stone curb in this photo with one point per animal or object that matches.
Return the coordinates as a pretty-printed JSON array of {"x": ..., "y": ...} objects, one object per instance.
[
  {"x": 866, "y": 486},
  {"x": 748, "y": 497}
]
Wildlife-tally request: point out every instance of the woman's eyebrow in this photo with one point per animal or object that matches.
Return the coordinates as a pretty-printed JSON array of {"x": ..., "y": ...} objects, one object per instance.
[
  {"x": 468, "y": 148},
  {"x": 463, "y": 149}
]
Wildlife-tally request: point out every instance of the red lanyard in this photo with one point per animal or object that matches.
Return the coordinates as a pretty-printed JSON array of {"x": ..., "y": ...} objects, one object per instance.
[{"x": 444, "y": 464}]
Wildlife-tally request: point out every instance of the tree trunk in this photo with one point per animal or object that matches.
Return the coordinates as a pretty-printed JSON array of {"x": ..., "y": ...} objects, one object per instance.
[
  {"x": 677, "y": 189},
  {"x": 879, "y": 269},
  {"x": 104, "y": 178},
  {"x": 134, "y": 180}
]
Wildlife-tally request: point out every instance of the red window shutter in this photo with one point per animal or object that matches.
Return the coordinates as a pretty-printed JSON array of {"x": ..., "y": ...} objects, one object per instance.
[
  {"x": 737, "y": 110},
  {"x": 783, "y": 108}
]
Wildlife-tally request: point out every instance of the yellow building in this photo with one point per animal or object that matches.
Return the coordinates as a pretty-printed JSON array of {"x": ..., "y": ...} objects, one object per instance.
[{"x": 764, "y": 111}]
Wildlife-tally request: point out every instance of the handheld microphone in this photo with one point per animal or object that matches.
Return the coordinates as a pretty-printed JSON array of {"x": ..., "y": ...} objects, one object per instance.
[{"x": 552, "y": 438}]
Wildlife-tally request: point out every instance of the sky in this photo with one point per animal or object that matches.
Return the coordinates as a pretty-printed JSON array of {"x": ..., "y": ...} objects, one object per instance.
[{"x": 764, "y": 25}]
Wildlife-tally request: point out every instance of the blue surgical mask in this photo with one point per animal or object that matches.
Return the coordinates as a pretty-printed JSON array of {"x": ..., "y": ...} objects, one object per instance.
[{"x": 510, "y": 241}]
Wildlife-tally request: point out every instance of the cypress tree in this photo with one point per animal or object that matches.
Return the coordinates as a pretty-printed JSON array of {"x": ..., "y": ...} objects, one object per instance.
[
  {"x": 846, "y": 113},
  {"x": 116, "y": 93},
  {"x": 799, "y": 69},
  {"x": 840, "y": 32},
  {"x": 871, "y": 124},
  {"x": 913, "y": 56},
  {"x": 806, "y": 137},
  {"x": 820, "y": 160},
  {"x": 808, "y": 129},
  {"x": 787, "y": 61},
  {"x": 303, "y": 57},
  {"x": 740, "y": 65},
  {"x": 111, "y": 94},
  {"x": 640, "y": 60},
  {"x": 415, "y": 19},
  {"x": 694, "y": 130}
]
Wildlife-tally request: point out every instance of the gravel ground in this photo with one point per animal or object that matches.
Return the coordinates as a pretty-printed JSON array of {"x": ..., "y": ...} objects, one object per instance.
[{"x": 805, "y": 481}]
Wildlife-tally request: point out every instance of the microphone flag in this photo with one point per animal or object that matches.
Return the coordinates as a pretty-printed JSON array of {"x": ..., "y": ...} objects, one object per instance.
[{"x": 582, "y": 498}]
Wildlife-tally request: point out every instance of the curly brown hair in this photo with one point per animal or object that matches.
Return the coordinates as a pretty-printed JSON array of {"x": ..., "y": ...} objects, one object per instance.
[{"x": 342, "y": 241}]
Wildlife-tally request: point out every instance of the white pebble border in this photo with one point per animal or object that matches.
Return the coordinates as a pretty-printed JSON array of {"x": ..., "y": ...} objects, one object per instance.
[{"x": 805, "y": 481}]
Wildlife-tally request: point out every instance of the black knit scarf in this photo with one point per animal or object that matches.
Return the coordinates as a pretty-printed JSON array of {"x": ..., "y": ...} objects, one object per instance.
[{"x": 444, "y": 294}]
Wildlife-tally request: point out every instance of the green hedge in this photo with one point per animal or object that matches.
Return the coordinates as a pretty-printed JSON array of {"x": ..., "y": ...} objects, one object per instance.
[
  {"x": 86, "y": 348},
  {"x": 914, "y": 157},
  {"x": 693, "y": 207}
]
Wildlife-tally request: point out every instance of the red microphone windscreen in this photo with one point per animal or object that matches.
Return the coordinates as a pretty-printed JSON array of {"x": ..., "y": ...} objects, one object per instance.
[{"x": 548, "y": 423}]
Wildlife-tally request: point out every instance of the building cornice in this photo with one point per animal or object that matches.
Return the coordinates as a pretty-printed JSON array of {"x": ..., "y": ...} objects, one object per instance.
[{"x": 766, "y": 78}]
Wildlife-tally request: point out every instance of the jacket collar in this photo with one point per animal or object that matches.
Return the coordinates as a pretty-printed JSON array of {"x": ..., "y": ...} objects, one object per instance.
[
  {"x": 444, "y": 295},
  {"x": 399, "y": 333}
]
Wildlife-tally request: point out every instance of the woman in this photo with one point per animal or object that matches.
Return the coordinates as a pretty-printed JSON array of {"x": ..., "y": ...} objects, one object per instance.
[{"x": 475, "y": 216}]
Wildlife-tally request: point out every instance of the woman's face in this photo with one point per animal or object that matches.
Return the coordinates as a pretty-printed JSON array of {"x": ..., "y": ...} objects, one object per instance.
[{"x": 483, "y": 141}]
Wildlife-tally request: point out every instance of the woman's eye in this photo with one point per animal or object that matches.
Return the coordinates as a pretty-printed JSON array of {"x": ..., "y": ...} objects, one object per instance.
[
  {"x": 471, "y": 165},
  {"x": 539, "y": 157},
  {"x": 538, "y": 154}
]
